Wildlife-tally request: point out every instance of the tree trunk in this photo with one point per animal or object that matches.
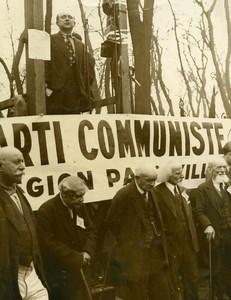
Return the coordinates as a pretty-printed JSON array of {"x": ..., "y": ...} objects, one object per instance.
[{"x": 141, "y": 33}]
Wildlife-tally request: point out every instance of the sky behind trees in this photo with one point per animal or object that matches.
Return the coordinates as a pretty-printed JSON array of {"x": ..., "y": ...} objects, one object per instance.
[{"x": 187, "y": 13}]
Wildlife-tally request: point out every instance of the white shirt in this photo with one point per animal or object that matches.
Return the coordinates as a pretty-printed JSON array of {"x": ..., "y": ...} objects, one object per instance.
[
  {"x": 171, "y": 187},
  {"x": 17, "y": 201}
]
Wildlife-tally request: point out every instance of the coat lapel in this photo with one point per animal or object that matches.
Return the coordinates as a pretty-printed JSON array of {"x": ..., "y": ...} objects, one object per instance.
[
  {"x": 136, "y": 201},
  {"x": 186, "y": 206},
  {"x": 155, "y": 204},
  {"x": 214, "y": 196},
  {"x": 59, "y": 40},
  {"x": 65, "y": 218},
  {"x": 9, "y": 208},
  {"x": 167, "y": 197}
]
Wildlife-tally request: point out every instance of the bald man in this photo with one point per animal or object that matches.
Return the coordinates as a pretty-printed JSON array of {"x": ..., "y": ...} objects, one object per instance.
[
  {"x": 70, "y": 72},
  {"x": 68, "y": 239},
  {"x": 21, "y": 272},
  {"x": 136, "y": 223}
]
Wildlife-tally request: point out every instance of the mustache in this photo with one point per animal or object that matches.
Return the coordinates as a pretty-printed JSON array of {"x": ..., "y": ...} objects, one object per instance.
[{"x": 222, "y": 178}]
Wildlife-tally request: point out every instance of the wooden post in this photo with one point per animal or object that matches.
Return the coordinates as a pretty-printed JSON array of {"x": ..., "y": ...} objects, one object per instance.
[
  {"x": 126, "y": 105},
  {"x": 35, "y": 67}
]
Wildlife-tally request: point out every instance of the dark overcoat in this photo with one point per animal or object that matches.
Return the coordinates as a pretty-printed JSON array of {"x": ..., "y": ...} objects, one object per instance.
[
  {"x": 126, "y": 221},
  {"x": 9, "y": 247},
  {"x": 169, "y": 215},
  {"x": 61, "y": 241},
  {"x": 207, "y": 207}
]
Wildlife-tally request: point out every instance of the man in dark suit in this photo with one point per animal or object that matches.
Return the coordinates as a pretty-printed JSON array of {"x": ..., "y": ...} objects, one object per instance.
[
  {"x": 67, "y": 239},
  {"x": 135, "y": 221},
  {"x": 69, "y": 73},
  {"x": 213, "y": 212},
  {"x": 181, "y": 235},
  {"x": 21, "y": 272}
]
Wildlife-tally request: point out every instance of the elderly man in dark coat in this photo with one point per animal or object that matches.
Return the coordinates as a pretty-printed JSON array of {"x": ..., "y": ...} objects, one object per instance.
[
  {"x": 70, "y": 72},
  {"x": 21, "y": 271},
  {"x": 213, "y": 213},
  {"x": 67, "y": 239},
  {"x": 180, "y": 231},
  {"x": 135, "y": 221}
]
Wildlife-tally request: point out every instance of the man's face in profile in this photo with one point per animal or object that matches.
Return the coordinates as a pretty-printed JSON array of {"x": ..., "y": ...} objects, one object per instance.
[{"x": 65, "y": 21}]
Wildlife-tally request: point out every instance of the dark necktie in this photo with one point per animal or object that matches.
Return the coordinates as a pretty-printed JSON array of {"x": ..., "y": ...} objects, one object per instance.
[
  {"x": 221, "y": 199},
  {"x": 74, "y": 217},
  {"x": 221, "y": 187},
  {"x": 176, "y": 193},
  {"x": 70, "y": 49}
]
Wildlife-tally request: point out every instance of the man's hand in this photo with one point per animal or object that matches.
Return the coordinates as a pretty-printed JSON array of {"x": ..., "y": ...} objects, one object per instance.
[
  {"x": 86, "y": 258},
  {"x": 209, "y": 233}
]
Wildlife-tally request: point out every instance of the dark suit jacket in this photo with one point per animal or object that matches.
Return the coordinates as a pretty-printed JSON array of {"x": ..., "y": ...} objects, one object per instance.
[
  {"x": 61, "y": 241},
  {"x": 207, "y": 206},
  {"x": 168, "y": 211},
  {"x": 9, "y": 248},
  {"x": 57, "y": 68},
  {"x": 126, "y": 221}
]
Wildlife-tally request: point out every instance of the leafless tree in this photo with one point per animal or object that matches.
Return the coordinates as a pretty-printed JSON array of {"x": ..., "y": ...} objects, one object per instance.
[{"x": 140, "y": 21}]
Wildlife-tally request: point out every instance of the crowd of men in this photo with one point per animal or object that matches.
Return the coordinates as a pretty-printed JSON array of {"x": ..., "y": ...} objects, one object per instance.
[
  {"x": 154, "y": 229},
  {"x": 153, "y": 221}
]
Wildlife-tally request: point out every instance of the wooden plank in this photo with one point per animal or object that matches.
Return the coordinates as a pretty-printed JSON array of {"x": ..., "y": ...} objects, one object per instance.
[
  {"x": 36, "y": 98},
  {"x": 103, "y": 102},
  {"x": 5, "y": 104}
]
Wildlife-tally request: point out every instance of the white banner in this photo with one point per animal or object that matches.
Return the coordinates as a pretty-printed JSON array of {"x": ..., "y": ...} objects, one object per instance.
[{"x": 104, "y": 149}]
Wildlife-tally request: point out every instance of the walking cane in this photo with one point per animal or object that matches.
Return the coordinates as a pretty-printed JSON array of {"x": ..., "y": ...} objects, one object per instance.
[
  {"x": 86, "y": 285},
  {"x": 210, "y": 270}
]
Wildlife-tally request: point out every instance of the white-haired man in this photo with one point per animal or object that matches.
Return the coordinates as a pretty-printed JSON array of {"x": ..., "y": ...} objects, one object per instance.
[
  {"x": 135, "y": 221},
  {"x": 70, "y": 72},
  {"x": 21, "y": 271},
  {"x": 68, "y": 238},
  {"x": 181, "y": 234},
  {"x": 213, "y": 213}
]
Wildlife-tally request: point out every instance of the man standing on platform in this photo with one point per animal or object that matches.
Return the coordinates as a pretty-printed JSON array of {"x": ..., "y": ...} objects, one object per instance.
[
  {"x": 67, "y": 239},
  {"x": 135, "y": 221},
  {"x": 213, "y": 213},
  {"x": 21, "y": 272},
  {"x": 69, "y": 73},
  {"x": 181, "y": 234}
]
